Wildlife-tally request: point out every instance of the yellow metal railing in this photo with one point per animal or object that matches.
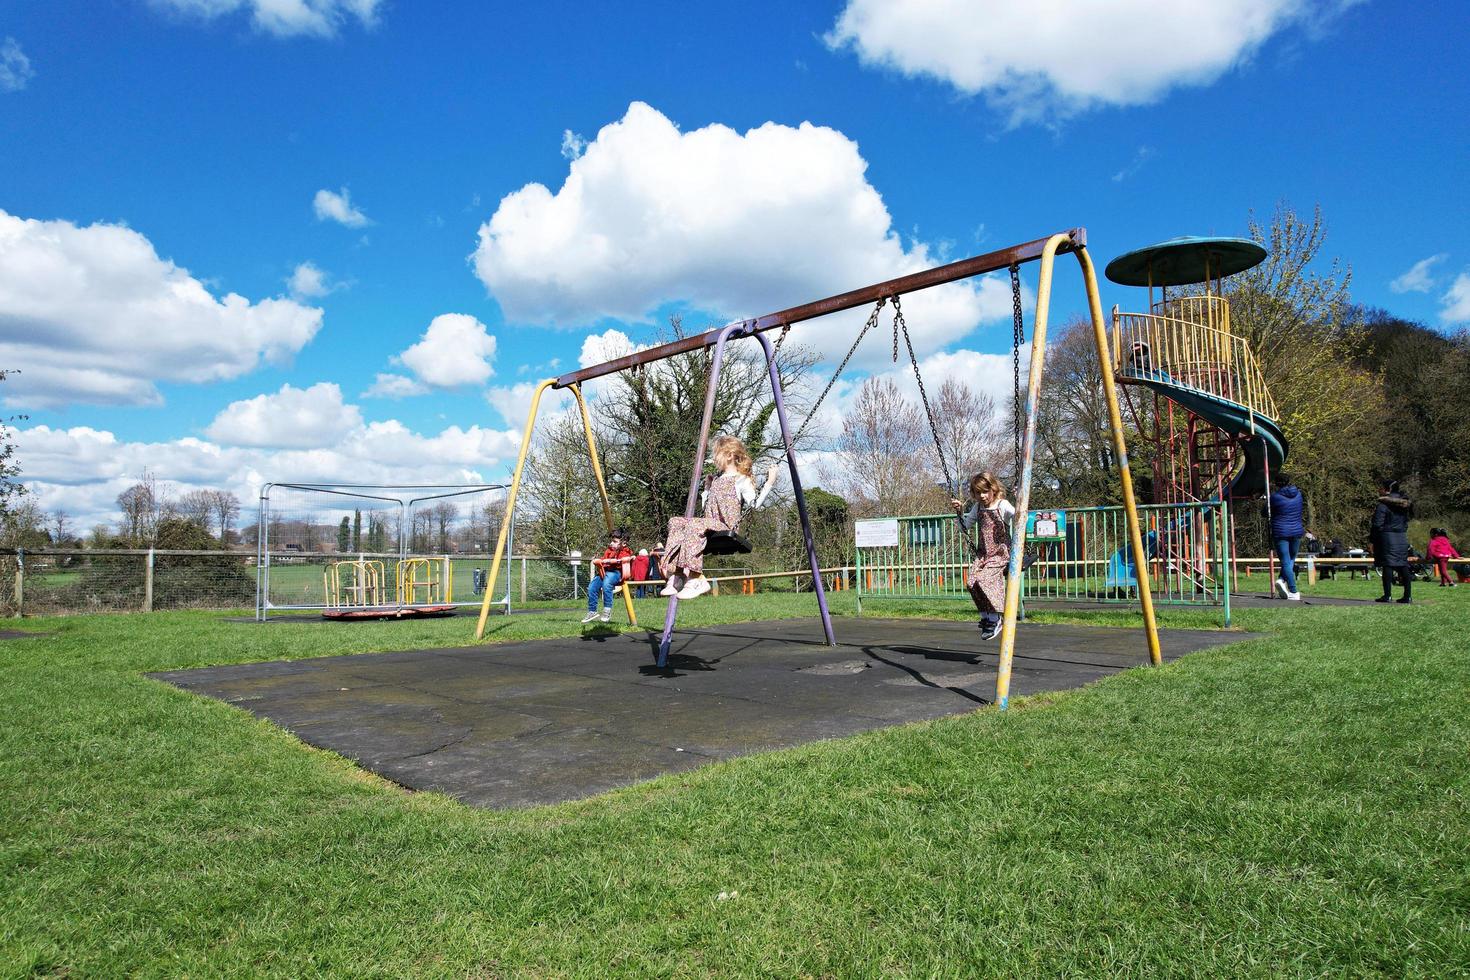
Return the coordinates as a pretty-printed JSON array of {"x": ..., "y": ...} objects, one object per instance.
[
  {"x": 353, "y": 583},
  {"x": 1189, "y": 340}
]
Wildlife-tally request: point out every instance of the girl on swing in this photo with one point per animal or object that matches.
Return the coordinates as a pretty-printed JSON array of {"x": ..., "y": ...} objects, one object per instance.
[
  {"x": 986, "y": 576},
  {"x": 727, "y": 493}
]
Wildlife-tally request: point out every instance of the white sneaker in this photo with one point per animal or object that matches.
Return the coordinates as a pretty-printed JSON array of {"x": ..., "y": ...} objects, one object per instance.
[
  {"x": 1281, "y": 588},
  {"x": 676, "y": 582},
  {"x": 1294, "y": 596},
  {"x": 607, "y": 615},
  {"x": 696, "y": 588},
  {"x": 589, "y": 617}
]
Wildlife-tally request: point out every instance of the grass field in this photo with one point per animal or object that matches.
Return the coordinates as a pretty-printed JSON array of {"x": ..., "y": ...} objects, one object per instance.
[{"x": 1293, "y": 804}]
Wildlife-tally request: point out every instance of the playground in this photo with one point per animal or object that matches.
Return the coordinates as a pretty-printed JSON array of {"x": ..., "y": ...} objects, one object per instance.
[{"x": 1309, "y": 778}]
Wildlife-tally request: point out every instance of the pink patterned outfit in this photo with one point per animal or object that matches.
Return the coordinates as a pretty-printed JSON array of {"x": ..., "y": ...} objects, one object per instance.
[
  {"x": 985, "y": 577},
  {"x": 722, "y": 512}
]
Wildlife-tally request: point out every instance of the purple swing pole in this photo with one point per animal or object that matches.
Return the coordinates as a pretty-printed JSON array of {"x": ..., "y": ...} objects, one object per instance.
[
  {"x": 709, "y": 412},
  {"x": 806, "y": 524}
]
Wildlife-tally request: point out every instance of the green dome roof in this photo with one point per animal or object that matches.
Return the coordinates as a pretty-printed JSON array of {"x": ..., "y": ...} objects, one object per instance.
[{"x": 1186, "y": 260}]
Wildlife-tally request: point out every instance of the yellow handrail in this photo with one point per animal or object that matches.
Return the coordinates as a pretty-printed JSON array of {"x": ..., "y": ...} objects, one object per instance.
[{"x": 1191, "y": 342}]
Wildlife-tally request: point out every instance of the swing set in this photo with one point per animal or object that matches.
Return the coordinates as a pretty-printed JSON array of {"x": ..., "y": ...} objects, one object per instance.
[{"x": 1042, "y": 250}]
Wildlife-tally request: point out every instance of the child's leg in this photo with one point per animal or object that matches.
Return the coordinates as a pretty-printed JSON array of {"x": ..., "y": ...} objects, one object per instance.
[
  {"x": 610, "y": 587},
  {"x": 1443, "y": 566},
  {"x": 594, "y": 589}
]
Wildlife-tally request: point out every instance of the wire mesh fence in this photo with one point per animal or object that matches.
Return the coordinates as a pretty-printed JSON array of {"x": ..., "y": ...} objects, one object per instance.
[{"x": 44, "y": 582}]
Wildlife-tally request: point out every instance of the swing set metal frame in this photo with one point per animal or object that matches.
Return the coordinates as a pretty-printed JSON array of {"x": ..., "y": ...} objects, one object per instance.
[{"x": 1042, "y": 250}]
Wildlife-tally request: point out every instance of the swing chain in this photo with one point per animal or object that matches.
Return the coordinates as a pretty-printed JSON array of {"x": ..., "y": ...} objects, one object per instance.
[
  {"x": 776, "y": 348},
  {"x": 812, "y": 414},
  {"x": 901, "y": 325},
  {"x": 1018, "y": 338}
]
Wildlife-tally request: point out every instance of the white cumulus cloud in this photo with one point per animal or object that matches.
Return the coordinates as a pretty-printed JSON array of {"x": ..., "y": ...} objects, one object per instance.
[
  {"x": 455, "y": 350},
  {"x": 285, "y": 18},
  {"x": 92, "y": 314},
  {"x": 82, "y": 470},
  {"x": 338, "y": 207},
  {"x": 1420, "y": 277},
  {"x": 394, "y": 386},
  {"x": 1456, "y": 301},
  {"x": 513, "y": 402},
  {"x": 309, "y": 282},
  {"x": 732, "y": 223},
  {"x": 15, "y": 67},
  {"x": 292, "y": 417},
  {"x": 1058, "y": 58}
]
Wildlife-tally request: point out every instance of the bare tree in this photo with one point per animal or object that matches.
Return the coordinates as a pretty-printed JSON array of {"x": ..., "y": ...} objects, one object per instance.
[
  {"x": 882, "y": 452},
  {"x": 484, "y": 526},
  {"x": 226, "y": 508},
  {"x": 60, "y": 526},
  {"x": 971, "y": 433},
  {"x": 197, "y": 506},
  {"x": 439, "y": 518},
  {"x": 139, "y": 507}
]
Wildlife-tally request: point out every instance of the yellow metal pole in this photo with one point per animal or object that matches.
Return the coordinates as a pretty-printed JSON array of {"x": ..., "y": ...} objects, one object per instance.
[
  {"x": 1120, "y": 450},
  {"x": 1023, "y": 489},
  {"x": 510, "y": 506},
  {"x": 602, "y": 488}
]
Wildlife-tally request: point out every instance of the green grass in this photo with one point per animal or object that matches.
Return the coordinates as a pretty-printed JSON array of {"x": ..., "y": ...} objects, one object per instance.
[{"x": 1291, "y": 804}]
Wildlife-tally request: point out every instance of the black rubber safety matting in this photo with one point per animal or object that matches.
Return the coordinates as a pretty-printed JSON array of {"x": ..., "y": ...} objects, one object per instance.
[{"x": 520, "y": 724}]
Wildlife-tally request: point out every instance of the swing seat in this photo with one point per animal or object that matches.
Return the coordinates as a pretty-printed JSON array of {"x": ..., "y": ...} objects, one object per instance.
[{"x": 725, "y": 543}]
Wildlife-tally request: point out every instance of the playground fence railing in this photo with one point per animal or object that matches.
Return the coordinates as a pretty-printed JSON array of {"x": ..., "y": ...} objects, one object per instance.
[{"x": 1088, "y": 561}]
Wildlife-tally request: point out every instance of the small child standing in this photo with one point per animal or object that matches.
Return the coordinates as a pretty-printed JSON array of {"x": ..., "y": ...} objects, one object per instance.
[
  {"x": 986, "y": 576},
  {"x": 1440, "y": 552},
  {"x": 608, "y": 570},
  {"x": 640, "y": 572}
]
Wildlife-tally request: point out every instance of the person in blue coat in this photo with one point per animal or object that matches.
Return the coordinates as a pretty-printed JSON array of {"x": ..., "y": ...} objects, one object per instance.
[{"x": 1287, "y": 506}]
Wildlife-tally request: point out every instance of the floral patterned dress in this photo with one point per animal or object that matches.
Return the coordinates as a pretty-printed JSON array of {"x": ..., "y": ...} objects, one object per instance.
[
  {"x": 986, "y": 575},
  {"x": 685, "y": 542}
]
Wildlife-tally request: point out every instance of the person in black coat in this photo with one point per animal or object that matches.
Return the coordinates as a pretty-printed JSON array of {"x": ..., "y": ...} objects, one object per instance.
[{"x": 1389, "y": 533}]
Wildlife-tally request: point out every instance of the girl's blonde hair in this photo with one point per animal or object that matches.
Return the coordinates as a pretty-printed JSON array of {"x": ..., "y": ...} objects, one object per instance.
[
  {"x": 728, "y": 450},
  {"x": 985, "y": 488}
]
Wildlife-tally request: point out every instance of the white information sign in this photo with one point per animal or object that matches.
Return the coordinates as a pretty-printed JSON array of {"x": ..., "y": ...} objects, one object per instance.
[{"x": 877, "y": 534}]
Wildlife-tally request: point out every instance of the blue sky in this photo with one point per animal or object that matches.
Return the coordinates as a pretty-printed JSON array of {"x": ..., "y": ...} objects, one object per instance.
[{"x": 209, "y": 127}]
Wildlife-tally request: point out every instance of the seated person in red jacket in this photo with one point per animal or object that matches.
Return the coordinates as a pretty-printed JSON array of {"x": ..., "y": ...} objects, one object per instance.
[{"x": 608, "y": 569}]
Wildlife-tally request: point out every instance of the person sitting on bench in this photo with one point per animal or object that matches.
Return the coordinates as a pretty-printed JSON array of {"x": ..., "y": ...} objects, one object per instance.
[{"x": 723, "y": 503}]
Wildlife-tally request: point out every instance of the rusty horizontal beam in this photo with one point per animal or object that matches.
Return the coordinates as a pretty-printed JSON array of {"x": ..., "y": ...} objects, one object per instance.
[{"x": 953, "y": 272}]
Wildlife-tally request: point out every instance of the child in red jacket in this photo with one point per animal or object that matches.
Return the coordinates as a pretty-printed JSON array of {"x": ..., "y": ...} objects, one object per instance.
[{"x": 1440, "y": 552}]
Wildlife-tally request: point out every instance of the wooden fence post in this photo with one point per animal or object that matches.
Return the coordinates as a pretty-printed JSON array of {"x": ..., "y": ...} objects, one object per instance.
[
  {"x": 523, "y": 580},
  {"x": 20, "y": 580},
  {"x": 148, "y": 582}
]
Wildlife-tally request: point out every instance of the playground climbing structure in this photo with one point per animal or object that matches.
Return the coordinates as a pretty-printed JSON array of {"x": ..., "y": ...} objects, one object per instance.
[{"x": 1195, "y": 390}]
